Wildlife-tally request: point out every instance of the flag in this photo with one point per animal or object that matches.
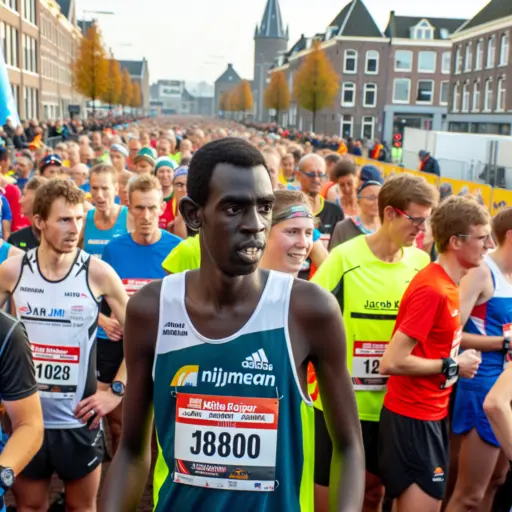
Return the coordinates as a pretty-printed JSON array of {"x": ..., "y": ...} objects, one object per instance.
[{"x": 8, "y": 107}]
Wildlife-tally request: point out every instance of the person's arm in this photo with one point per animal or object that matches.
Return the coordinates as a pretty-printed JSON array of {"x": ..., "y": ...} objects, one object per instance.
[
  {"x": 128, "y": 473},
  {"x": 105, "y": 283},
  {"x": 14, "y": 251},
  {"x": 22, "y": 404},
  {"x": 497, "y": 407},
  {"x": 318, "y": 253},
  {"x": 328, "y": 276},
  {"x": 317, "y": 322},
  {"x": 9, "y": 275},
  {"x": 6, "y": 218}
]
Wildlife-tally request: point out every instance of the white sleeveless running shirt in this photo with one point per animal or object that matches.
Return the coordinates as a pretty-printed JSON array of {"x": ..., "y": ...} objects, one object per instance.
[{"x": 61, "y": 319}]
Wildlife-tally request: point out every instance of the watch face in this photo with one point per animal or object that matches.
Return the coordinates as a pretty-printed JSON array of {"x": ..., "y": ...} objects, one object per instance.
[
  {"x": 452, "y": 371},
  {"x": 7, "y": 477},
  {"x": 117, "y": 387}
]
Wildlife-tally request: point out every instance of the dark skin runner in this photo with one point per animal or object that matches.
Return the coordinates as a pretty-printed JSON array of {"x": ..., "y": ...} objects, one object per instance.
[{"x": 220, "y": 298}]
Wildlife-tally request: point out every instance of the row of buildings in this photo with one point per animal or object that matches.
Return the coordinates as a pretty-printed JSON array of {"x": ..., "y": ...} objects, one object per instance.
[
  {"x": 39, "y": 39},
  {"x": 423, "y": 72}
]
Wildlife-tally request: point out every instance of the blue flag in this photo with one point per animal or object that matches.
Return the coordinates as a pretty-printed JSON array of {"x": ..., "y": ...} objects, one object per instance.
[{"x": 7, "y": 104}]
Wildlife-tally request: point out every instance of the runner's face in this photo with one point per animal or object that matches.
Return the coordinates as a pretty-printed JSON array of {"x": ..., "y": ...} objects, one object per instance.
[
  {"x": 369, "y": 201},
  {"x": 146, "y": 208},
  {"x": 134, "y": 146},
  {"x": 180, "y": 188},
  {"x": 238, "y": 213},
  {"x": 163, "y": 147},
  {"x": 273, "y": 168},
  {"x": 289, "y": 244},
  {"x": 123, "y": 194},
  {"x": 347, "y": 185},
  {"x": 404, "y": 230},
  {"x": 165, "y": 175},
  {"x": 51, "y": 171},
  {"x": 143, "y": 167},
  {"x": 288, "y": 163},
  {"x": 27, "y": 202},
  {"x": 475, "y": 246},
  {"x": 62, "y": 228},
  {"x": 118, "y": 160},
  {"x": 103, "y": 190}
]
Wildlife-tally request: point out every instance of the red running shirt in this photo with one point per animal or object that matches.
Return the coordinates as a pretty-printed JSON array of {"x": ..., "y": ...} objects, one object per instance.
[{"x": 430, "y": 314}]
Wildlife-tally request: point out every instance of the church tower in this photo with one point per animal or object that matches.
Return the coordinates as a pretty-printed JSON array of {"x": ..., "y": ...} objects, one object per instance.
[{"x": 270, "y": 39}]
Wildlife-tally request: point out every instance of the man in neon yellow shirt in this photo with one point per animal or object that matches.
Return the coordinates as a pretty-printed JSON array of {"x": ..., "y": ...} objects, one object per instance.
[
  {"x": 185, "y": 256},
  {"x": 368, "y": 275}
]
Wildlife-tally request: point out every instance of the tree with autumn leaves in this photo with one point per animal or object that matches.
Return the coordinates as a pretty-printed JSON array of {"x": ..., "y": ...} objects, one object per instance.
[
  {"x": 112, "y": 94},
  {"x": 238, "y": 99},
  {"x": 277, "y": 94},
  {"x": 316, "y": 84}
]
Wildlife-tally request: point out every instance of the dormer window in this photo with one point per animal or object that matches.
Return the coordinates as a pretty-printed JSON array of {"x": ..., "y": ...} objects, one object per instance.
[
  {"x": 423, "y": 30},
  {"x": 444, "y": 33}
]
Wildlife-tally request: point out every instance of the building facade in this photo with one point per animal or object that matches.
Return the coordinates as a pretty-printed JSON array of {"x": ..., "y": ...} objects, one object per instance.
[
  {"x": 229, "y": 79},
  {"x": 173, "y": 97},
  {"x": 139, "y": 72},
  {"x": 480, "y": 88},
  {"x": 388, "y": 80},
  {"x": 39, "y": 40}
]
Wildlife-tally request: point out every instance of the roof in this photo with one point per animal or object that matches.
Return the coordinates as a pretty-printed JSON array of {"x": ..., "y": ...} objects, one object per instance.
[
  {"x": 84, "y": 25},
  {"x": 230, "y": 75},
  {"x": 272, "y": 22},
  {"x": 186, "y": 96},
  {"x": 494, "y": 10},
  {"x": 134, "y": 67},
  {"x": 66, "y": 7},
  {"x": 355, "y": 20},
  {"x": 400, "y": 26},
  {"x": 298, "y": 46}
]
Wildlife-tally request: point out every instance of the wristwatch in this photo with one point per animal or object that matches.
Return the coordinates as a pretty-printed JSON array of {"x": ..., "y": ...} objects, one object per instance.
[
  {"x": 117, "y": 388},
  {"x": 450, "y": 368},
  {"x": 6, "y": 478},
  {"x": 506, "y": 345}
]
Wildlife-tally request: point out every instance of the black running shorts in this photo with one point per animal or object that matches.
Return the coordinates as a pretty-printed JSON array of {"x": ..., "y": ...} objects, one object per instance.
[
  {"x": 72, "y": 453},
  {"x": 109, "y": 356},
  {"x": 323, "y": 448},
  {"x": 413, "y": 451}
]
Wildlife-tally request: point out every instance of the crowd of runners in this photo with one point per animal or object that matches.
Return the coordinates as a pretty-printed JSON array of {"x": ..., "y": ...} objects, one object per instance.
[{"x": 302, "y": 334}]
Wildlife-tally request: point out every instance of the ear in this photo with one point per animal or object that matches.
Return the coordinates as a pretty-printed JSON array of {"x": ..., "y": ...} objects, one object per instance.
[
  {"x": 190, "y": 212},
  {"x": 389, "y": 213},
  {"x": 38, "y": 222}
]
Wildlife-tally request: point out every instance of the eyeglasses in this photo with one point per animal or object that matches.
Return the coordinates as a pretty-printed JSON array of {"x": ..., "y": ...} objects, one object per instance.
[
  {"x": 369, "y": 198},
  {"x": 313, "y": 174},
  {"x": 417, "y": 221},
  {"x": 484, "y": 238}
]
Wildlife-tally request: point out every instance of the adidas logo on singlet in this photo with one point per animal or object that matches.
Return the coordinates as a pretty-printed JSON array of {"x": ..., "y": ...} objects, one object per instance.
[{"x": 257, "y": 361}]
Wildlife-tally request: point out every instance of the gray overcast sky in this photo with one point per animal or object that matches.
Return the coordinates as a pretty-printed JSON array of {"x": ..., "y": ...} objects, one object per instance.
[{"x": 193, "y": 40}]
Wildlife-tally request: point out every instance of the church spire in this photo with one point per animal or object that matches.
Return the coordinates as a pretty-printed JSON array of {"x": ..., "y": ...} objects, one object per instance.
[{"x": 272, "y": 23}]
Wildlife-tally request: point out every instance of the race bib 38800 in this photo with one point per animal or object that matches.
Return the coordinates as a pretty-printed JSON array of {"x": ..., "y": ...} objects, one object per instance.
[{"x": 226, "y": 442}]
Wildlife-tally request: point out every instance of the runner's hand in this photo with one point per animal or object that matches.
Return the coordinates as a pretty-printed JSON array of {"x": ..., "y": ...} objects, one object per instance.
[
  {"x": 96, "y": 406},
  {"x": 112, "y": 327},
  {"x": 469, "y": 361}
]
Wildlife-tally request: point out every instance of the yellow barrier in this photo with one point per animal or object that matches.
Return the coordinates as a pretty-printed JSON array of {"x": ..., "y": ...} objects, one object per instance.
[{"x": 496, "y": 199}]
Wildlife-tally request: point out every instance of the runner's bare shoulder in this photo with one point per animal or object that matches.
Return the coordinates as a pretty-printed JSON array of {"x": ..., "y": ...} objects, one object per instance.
[
  {"x": 311, "y": 302},
  {"x": 10, "y": 271}
]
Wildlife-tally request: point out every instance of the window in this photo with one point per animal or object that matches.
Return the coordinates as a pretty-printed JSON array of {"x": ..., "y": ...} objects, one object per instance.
[
  {"x": 447, "y": 63},
  {"x": 9, "y": 40},
  {"x": 401, "y": 90},
  {"x": 456, "y": 98},
  {"x": 465, "y": 97},
  {"x": 12, "y": 4},
  {"x": 458, "y": 60},
  {"x": 372, "y": 62},
  {"x": 476, "y": 97},
  {"x": 427, "y": 62},
  {"x": 29, "y": 11},
  {"x": 403, "y": 60},
  {"x": 348, "y": 94},
  {"x": 488, "y": 95},
  {"x": 368, "y": 127},
  {"x": 16, "y": 96},
  {"x": 370, "y": 95},
  {"x": 491, "y": 52},
  {"x": 445, "y": 93},
  {"x": 468, "y": 57},
  {"x": 479, "y": 57},
  {"x": 31, "y": 101},
  {"x": 347, "y": 126},
  {"x": 422, "y": 31},
  {"x": 425, "y": 91},
  {"x": 350, "y": 64},
  {"x": 501, "y": 95},
  {"x": 504, "y": 49},
  {"x": 29, "y": 53},
  {"x": 444, "y": 33}
]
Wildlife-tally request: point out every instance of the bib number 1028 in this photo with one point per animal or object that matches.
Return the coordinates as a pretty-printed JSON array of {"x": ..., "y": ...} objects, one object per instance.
[
  {"x": 51, "y": 372},
  {"x": 209, "y": 444}
]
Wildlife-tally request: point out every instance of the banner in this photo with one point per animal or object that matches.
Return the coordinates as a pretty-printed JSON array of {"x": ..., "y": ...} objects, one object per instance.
[
  {"x": 481, "y": 192},
  {"x": 8, "y": 108},
  {"x": 501, "y": 199}
]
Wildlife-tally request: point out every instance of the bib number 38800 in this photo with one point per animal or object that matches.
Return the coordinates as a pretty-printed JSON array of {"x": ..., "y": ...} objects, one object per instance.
[{"x": 226, "y": 442}]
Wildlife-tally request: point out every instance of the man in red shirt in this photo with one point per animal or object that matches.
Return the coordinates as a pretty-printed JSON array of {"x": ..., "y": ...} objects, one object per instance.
[{"x": 423, "y": 362}]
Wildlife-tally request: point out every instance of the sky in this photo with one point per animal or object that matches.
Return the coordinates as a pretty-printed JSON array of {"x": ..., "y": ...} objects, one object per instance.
[{"x": 194, "y": 40}]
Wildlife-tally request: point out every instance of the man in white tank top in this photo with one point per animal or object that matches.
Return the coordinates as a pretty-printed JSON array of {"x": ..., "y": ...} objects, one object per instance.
[{"x": 56, "y": 289}]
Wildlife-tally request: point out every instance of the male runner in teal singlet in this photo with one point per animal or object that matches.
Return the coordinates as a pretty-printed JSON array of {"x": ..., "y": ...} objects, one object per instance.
[{"x": 219, "y": 356}]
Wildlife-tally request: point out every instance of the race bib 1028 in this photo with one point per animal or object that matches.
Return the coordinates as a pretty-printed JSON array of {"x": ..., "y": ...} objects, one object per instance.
[
  {"x": 226, "y": 442},
  {"x": 56, "y": 370}
]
